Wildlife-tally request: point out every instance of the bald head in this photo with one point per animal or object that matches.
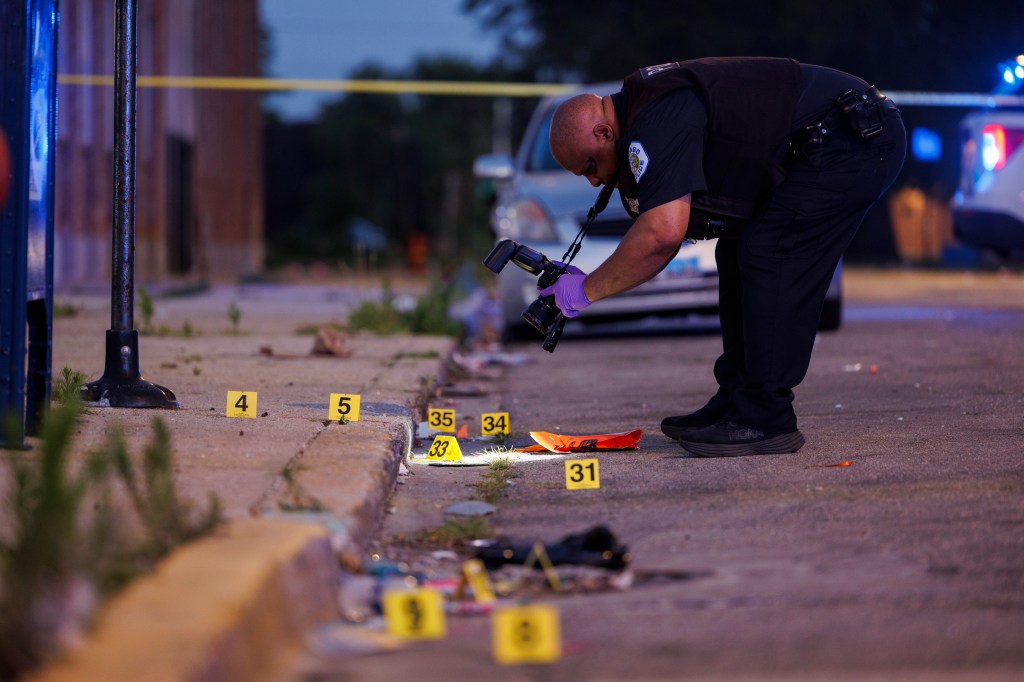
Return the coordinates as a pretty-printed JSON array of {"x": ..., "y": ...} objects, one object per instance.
[
  {"x": 573, "y": 121},
  {"x": 582, "y": 138}
]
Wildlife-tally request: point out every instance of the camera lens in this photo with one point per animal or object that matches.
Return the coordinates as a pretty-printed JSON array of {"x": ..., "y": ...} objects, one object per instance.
[{"x": 541, "y": 313}]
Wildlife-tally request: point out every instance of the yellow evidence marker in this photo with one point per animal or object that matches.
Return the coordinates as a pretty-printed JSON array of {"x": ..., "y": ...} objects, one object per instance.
[
  {"x": 242, "y": 404},
  {"x": 582, "y": 474},
  {"x": 493, "y": 423},
  {"x": 474, "y": 578},
  {"x": 440, "y": 419},
  {"x": 526, "y": 634},
  {"x": 415, "y": 614},
  {"x": 444, "y": 448},
  {"x": 343, "y": 406}
]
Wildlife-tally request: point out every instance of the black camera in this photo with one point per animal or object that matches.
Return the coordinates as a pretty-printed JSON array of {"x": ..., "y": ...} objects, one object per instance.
[{"x": 543, "y": 315}]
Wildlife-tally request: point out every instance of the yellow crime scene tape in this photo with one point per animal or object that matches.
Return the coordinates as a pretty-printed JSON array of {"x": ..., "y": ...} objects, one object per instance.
[
  {"x": 472, "y": 88},
  {"x": 465, "y": 88}
]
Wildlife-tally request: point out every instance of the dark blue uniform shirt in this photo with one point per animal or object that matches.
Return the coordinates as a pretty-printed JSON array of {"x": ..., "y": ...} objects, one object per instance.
[{"x": 666, "y": 141}]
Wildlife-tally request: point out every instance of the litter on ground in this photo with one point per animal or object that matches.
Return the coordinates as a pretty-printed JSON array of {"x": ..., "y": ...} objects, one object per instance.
[
  {"x": 471, "y": 508},
  {"x": 555, "y": 442}
]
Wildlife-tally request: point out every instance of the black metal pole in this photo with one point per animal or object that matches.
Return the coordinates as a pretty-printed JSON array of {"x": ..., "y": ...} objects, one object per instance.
[
  {"x": 122, "y": 301},
  {"x": 122, "y": 384}
]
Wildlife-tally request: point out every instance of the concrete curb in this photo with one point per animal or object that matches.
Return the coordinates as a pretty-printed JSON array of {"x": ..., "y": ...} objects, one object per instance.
[
  {"x": 349, "y": 471},
  {"x": 231, "y": 606},
  {"x": 237, "y": 604}
]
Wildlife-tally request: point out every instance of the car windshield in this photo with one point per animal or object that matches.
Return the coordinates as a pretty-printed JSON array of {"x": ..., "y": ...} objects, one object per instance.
[{"x": 540, "y": 153}]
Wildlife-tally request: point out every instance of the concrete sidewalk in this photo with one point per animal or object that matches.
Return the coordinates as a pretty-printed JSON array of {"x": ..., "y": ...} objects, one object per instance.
[{"x": 235, "y": 604}]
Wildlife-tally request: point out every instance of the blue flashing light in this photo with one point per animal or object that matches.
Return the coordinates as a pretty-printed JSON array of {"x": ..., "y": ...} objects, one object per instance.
[{"x": 926, "y": 144}]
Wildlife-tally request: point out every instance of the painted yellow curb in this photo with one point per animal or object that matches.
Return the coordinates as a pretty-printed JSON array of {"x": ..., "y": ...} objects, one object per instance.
[{"x": 231, "y": 606}]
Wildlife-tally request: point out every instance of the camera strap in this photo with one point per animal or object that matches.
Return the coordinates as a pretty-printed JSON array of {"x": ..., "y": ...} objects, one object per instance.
[{"x": 577, "y": 242}]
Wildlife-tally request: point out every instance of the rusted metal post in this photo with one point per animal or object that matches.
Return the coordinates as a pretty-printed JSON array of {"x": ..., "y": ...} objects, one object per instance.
[{"x": 122, "y": 384}]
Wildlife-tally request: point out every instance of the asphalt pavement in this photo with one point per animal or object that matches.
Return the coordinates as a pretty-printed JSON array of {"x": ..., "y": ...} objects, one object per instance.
[{"x": 888, "y": 548}]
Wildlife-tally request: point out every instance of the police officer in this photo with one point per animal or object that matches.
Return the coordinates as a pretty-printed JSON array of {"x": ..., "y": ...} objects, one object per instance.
[{"x": 778, "y": 160}]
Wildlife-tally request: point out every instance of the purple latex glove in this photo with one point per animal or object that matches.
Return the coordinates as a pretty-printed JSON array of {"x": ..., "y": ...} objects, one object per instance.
[
  {"x": 569, "y": 269},
  {"x": 568, "y": 292}
]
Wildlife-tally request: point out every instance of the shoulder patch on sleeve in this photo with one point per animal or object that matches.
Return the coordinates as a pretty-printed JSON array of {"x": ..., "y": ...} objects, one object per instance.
[
  {"x": 638, "y": 160},
  {"x": 649, "y": 71}
]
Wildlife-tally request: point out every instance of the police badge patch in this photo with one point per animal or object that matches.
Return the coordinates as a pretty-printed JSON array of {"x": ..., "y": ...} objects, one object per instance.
[{"x": 637, "y": 160}]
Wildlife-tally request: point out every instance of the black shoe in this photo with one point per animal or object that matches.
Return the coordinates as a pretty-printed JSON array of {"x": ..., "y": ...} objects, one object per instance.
[
  {"x": 729, "y": 439},
  {"x": 675, "y": 427}
]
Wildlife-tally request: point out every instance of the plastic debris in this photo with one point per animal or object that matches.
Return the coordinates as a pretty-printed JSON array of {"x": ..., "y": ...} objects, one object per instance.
[
  {"x": 339, "y": 640},
  {"x": 554, "y": 442},
  {"x": 471, "y": 508},
  {"x": 837, "y": 464},
  {"x": 357, "y": 597},
  {"x": 476, "y": 361},
  {"x": 514, "y": 582}
]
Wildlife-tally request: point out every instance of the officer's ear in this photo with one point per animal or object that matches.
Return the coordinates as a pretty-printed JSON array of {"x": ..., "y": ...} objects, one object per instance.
[{"x": 603, "y": 132}]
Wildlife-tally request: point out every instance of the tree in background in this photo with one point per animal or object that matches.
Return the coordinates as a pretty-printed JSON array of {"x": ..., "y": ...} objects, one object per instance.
[
  {"x": 404, "y": 163},
  {"x": 899, "y": 44},
  {"x": 916, "y": 45}
]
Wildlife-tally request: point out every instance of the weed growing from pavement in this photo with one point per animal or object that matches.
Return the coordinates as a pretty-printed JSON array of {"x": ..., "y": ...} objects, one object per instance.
[
  {"x": 314, "y": 329},
  {"x": 63, "y": 310},
  {"x": 429, "y": 314},
  {"x": 146, "y": 310},
  {"x": 68, "y": 386},
  {"x": 295, "y": 497},
  {"x": 492, "y": 485},
  {"x": 234, "y": 316},
  {"x": 168, "y": 520},
  {"x": 416, "y": 355},
  {"x": 455, "y": 532},
  {"x": 66, "y": 546}
]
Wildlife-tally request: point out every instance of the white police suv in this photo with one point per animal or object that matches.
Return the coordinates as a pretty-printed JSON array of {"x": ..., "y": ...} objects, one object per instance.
[{"x": 988, "y": 207}]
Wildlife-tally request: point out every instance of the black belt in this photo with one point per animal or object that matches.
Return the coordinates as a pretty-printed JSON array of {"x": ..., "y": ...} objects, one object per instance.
[
  {"x": 705, "y": 225},
  {"x": 861, "y": 112}
]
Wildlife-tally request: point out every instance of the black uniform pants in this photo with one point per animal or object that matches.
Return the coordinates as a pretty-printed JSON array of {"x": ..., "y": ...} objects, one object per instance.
[{"x": 774, "y": 275}]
